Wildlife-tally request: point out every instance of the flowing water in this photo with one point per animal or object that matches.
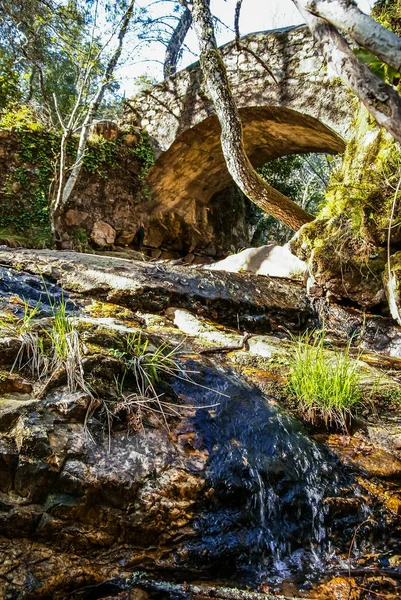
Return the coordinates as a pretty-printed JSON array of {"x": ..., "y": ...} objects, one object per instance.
[{"x": 267, "y": 516}]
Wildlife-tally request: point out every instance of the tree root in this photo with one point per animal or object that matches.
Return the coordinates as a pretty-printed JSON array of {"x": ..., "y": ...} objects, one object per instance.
[
  {"x": 221, "y": 349},
  {"x": 187, "y": 591}
]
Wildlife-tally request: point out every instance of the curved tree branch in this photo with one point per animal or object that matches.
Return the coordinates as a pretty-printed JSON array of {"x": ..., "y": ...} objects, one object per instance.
[
  {"x": 365, "y": 31},
  {"x": 380, "y": 98},
  {"x": 239, "y": 166}
]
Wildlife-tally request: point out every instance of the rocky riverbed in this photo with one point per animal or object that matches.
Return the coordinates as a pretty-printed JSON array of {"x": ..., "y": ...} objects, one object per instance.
[{"x": 212, "y": 482}]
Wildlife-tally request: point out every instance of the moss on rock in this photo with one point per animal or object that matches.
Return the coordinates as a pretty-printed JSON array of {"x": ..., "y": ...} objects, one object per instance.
[{"x": 345, "y": 245}]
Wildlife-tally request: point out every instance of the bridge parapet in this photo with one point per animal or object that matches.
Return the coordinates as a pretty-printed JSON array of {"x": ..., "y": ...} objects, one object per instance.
[{"x": 180, "y": 102}]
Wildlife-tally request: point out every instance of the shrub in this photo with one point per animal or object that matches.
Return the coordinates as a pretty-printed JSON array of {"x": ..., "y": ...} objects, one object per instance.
[{"x": 326, "y": 387}]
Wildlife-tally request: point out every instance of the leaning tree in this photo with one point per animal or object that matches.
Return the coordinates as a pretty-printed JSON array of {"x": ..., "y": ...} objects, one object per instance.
[
  {"x": 334, "y": 24},
  {"x": 238, "y": 163}
]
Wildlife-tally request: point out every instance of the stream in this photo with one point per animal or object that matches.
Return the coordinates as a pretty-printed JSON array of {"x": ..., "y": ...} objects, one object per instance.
[{"x": 232, "y": 493}]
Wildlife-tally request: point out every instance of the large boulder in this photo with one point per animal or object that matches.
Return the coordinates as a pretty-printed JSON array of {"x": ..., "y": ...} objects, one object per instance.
[
  {"x": 271, "y": 260},
  {"x": 103, "y": 234},
  {"x": 240, "y": 300},
  {"x": 213, "y": 493},
  {"x": 90, "y": 492}
]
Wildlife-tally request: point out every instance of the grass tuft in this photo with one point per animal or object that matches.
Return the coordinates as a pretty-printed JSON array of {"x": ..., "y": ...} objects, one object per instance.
[
  {"x": 149, "y": 366},
  {"x": 326, "y": 387}
]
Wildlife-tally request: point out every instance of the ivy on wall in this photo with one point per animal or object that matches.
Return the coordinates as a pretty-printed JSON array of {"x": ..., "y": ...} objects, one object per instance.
[
  {"x": 26, "y": 187},
  {"x": 31, "y": 172}
]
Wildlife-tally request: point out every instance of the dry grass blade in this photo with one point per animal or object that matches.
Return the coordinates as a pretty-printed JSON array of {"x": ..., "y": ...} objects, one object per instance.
[{"x": 149, "y": 366}]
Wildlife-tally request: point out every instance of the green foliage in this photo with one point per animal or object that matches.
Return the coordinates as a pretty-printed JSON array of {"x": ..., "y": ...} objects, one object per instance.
[
  {"x": 60, "y": 331},
  {"x": 379, "y": 68},
  {"x": 9, "y": 81},
  {"x": 80, "y": 237},
  {"x": 100, "y": 156},
  {"x": 46, "y": 43},
  {"x": 143, "y": 83},
  {"x": 363, "y": 189},
  {"x": 303, "y": 178},
  {"x": 388, "y": 13},
  {"x": 24, "y": 211},
  {"x": 20, "y": 118},
  {"x": 389, "y": 395},
  {"x": 35, "y": 237},
  {"x": 143, "y": 151},
  {"x": 148, "y": 366},
  {"x": 327, "y": 387},
  {"x": 50, "y": 348},
  {"x": 145, "y": 361},
  {"x": 26, "y": 187}
]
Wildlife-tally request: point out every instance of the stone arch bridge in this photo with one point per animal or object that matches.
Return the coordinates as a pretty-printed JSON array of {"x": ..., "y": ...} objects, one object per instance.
[{"x": 307, "y": 110}]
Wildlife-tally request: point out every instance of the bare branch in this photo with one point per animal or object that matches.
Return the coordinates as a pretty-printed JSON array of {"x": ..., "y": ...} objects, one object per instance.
[
  {"x": 58, "y": 112},
  {"x": 174, "y": 46},
  {"x": 236, "y": 23},
  {"x": 241, "y": 47}
]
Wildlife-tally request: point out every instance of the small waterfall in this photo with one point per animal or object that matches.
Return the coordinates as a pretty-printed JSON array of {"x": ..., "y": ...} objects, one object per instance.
[{"x": 265, "y": 513}]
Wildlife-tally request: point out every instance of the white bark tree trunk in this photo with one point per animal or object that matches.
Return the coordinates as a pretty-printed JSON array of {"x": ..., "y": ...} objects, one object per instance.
[
  {"x": 65, "y": 190},
  {"x": 347, "y": 17},
  {"x": 239, "y": 166},
  {"x": 380, "y": 98}
]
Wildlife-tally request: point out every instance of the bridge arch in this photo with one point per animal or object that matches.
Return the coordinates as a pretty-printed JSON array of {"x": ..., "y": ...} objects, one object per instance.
[{"x": 308, "y": 110}]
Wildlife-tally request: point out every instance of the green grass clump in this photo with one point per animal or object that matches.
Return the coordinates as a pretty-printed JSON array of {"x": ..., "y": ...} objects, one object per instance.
[
  {"x": 48, "y": 348},
  {"x": 326, "y": 387}
]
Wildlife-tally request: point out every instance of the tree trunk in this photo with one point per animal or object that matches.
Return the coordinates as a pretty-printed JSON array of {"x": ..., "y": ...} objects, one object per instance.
[
  {"x": 238, "y": 164},
  {"x": 54, "y": 209},
  {"x": 176, "y": 42},
  {"x": 65, "y": 190},
  {"x": 346, "y": 16},
  {"x": 380, "y": 98}
]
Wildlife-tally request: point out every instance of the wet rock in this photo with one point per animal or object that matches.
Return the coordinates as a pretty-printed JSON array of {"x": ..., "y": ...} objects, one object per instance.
[
  {"x": 103, "y": 234},
  {"x": 386, "y": 434},
  {"x": 75, "y": 218},
  {"x": 19, "y": 290},
  {"x": 338, "y": 588},
  {"x": 245, "y": 301},
  {"x": 374, "y": 462},
  {"x": 364, "y": 330},
  {"x": 8, "y": 463},
  {"x": 343, "y": 506},
  {"x": 384, "y": 493},
  {"x": 270, "y": 260},
  {"x": 158, "y": 497},
  {"x": 10, "y": 405},
  {"x": 10, "y": 383},
  {"x": 9, "y": 350}
]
